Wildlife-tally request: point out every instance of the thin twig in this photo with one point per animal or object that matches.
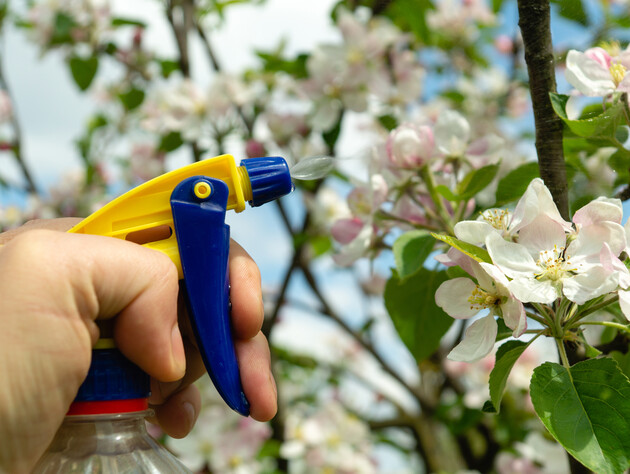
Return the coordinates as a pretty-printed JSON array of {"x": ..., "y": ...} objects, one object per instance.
[
  {"x": 17, "y": 135},
  {"x": 180, "y": 27},
  {"x": 328, "y": 311},
  {"x": 216, "y": 65}
]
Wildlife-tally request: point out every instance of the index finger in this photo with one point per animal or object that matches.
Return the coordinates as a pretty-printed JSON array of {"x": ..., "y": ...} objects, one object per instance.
[
  {"x": 245, "y": 293},
  {"x": 62, "y": 224}
]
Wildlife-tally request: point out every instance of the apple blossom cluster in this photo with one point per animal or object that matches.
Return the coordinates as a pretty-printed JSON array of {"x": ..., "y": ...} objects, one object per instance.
[
  {"x": 328, "y": 440},
  {"x": 54, "y": 22},
  {"x": 194, "y": 112},
  {"x": 458, "y": 18},
  {"x": 372, "y": 62},
  {"x": 317, "y": 439},
  {"x": 414, "y": 161},
  {"x": 532, "y": 257}
]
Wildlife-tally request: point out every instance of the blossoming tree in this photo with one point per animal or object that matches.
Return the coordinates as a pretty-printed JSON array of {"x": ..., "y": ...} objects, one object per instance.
[{"x": 461, "y": 247}]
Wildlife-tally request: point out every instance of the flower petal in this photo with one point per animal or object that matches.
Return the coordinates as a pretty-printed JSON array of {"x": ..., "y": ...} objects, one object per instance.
[
  {"x": 624, "y": 303},
  {"x": 514, "y": 316},
  {"x": 530, "y": 290},
  {"x": 601, "y": 209},
  {"x": 473, "y": 232},
  {"x": 478, "y": 341},
  {"x": 356, "y": 249},
  {"x": 455, "y": 257},
  {"x": 535, "y": 201},
  {"x": 590, "y": 239},
  {"x": 587, "y": 75},
  {"x": 612, "y": 264},
  {"x": 543, "y": 233},
  {"x": 511, "y": 258},
  {"x": 590, "y": 284},
  {"x": 452, "y": 297},
  {"x": 498, "y": 279},
  {"x": 451, "y": 132}
]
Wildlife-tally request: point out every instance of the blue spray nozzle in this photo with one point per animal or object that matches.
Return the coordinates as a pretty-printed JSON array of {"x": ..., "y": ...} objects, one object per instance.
[{"x": 269, "y": 177}]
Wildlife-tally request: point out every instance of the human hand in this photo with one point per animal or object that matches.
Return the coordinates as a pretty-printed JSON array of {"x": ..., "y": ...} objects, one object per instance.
[{"x": 53, "y": 285}]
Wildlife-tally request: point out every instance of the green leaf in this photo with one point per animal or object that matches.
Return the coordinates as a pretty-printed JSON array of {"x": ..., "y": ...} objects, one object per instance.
[
  {"x": 513, "y": 185},
  {"x": 587, "y": 409},
  {"x": 507, "y": 355},
  {"x": 275, "y": 62},
  {"x": 170, "y": 142},
  {"x": 320, "y": 244},
  {"x": 411, "y": 250},
  {"x": 389, "y": 122},
  {"x": 168, "y": 67},
  {"x": 410, "y": 15},
  {"x": 477, "y": 253},
  {"x": 503, "y": 332},
  {"x": 128, "y": 22},
  {"x": 572, "y": 10},
  {"x": 83, "y": 70},
  {"x": 332, "y": 135},
  {"x": 132, "y": 98},
  {"x": 96, "y": 121},
  {"x": 496, "y": 5},
  {"x": 62, "y": 31},
  {"x": 599, "y": 126},
  {"x": 446, "y": 192},
  {"x": 623, "y": 360},
  {"x": 476, "y": 181},
  {"x": 419, "y": 321}
]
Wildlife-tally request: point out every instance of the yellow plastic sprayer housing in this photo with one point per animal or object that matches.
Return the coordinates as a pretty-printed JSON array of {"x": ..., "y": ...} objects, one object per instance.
[{"x": 144, "y": 215}]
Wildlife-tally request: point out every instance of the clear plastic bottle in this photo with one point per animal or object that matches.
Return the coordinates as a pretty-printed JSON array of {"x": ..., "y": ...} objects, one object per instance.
[
  {"x": 104, "y": 431},
  {"x": 111, "y": 443}
]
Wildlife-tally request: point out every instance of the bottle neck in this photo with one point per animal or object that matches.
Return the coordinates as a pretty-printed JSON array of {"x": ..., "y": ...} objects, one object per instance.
[{"x": 117, "y": 433}]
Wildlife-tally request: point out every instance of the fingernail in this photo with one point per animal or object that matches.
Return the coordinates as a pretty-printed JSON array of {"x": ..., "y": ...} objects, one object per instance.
[
  {"x": 177, "y": 351},
  {"x": 191, "y": 414}
]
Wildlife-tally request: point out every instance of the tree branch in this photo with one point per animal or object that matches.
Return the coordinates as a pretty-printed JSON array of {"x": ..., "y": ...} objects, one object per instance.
[
  {"x": 535, "y": 21},
  {"x": 16, "y": 146},
  {"x": 180, "y": 17}
]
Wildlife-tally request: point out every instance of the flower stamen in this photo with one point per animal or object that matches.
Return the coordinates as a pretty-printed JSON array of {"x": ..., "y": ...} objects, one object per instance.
[
  {"x": 555, "y": 264},
  {"x": 497, "y": 218},
  {"x": 617, "y": 72},
  {"x": 480, "y": 299}
]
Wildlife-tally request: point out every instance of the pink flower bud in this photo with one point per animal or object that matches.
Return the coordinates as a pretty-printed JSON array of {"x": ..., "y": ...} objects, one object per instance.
[
  {"x": 254, "y": 149},
  {"x": 504, "y": 44},
  {"x": 410, "y": 145},
  {"x": 345, "y": 231},
  {"x": 137, "y": 36}
]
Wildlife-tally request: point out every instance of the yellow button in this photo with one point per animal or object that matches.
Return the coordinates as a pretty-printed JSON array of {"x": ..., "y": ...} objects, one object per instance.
[{"x": 202, "y": 189}]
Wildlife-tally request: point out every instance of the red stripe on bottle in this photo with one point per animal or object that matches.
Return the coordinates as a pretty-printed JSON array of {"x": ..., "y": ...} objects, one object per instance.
[{"x": 105, "y": 407}]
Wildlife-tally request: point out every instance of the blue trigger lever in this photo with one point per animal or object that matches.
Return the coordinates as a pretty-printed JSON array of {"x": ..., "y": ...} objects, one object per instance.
[{"x": 199, "y": 205}]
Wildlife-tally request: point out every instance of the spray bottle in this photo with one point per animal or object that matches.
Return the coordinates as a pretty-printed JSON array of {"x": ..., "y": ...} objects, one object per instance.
[{"x": 182, "y": 214}]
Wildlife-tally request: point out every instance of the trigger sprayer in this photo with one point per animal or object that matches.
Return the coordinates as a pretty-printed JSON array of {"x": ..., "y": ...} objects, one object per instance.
[{"x": 182, "y": 214}]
